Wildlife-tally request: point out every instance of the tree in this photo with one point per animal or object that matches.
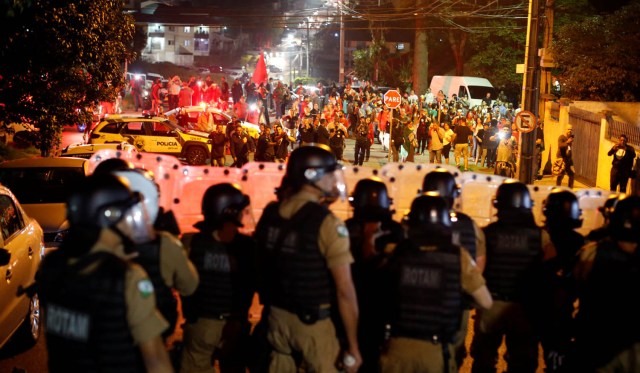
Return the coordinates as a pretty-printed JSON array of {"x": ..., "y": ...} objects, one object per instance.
[
  {"x": 599, "y": 57},
  {"x": 495, "y": 54},
  {"x": 60, "y": 58}
]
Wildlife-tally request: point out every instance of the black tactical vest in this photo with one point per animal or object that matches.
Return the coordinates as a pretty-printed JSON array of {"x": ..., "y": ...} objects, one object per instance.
[
  {"x": 463, "y": 232},
  {"x": 337, "y": 140},
  {"x": 149, "y": 259},
  {"x": 297, "y": 274},
  {"x": 86, "y": 315},
  {"x": 217, "y": 267},
  {"x": 429, "y": 292},
  {"x": 513, "y": 252},
  {"x": 608, "y": 320}
]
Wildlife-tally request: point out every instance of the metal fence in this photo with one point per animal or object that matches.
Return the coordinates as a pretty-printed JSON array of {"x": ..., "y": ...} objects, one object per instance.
[
  {"x": 554, "y": 111},
  {"x": 586, "y": 127},
  {"x": 616, "y": 128}
]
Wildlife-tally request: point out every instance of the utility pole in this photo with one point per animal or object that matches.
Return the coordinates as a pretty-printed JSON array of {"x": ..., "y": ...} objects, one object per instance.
[
  {"x": 530, "y": 94},
  {"x": 308, "y": 44},
  {"x": 546, "y": 59},
  {"x": 341, "y": 54}
]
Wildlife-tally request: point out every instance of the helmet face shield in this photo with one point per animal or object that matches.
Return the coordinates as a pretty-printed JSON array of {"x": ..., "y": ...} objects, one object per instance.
[
  {"x": 247, "y": 221},
  {"x": 136, "y": 225},
  {"x": 333, "y": 185}
]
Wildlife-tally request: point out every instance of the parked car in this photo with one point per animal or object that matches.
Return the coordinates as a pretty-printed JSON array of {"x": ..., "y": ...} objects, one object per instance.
[
  {"x": 21, "y": 250},
  {"x": 42, "y": 185},
  {"x": 81, "y": 150},
  {"x": 154, "y": 135}
]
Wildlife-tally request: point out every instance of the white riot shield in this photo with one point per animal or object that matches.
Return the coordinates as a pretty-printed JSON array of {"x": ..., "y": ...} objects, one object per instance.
[
  {"x": 192, "y": 182},
  {"x": 165, "y": 169},
  {"x": 476, "y": 198},
  {"x": 590, "y": 201},
  {"x": 352, "y": 174},
  {"x": 259, "y": 181},
  {"x": 404, "y": 182}
]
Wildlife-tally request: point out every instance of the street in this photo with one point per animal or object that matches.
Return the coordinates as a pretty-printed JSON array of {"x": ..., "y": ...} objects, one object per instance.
[{"x": 14, "y": 358}]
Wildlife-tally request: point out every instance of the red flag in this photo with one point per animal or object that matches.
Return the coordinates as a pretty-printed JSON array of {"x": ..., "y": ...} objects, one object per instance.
[{"x": 260, "y": 73}]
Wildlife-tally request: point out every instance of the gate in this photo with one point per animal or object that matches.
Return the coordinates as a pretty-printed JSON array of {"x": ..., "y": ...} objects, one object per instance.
[{"x": 586, "y": 127}]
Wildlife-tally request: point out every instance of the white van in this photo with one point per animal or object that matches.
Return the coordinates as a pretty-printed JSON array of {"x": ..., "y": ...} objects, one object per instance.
[{"x": 474, "y": 88}]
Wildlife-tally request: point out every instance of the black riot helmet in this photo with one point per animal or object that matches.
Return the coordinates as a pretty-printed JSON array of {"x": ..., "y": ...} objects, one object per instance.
[
  {"x": 609, "y": 206},
  {"x": 222, "y": 203},
  {"x": 625, "y": 219},
  {"x": 443, "y": 182},
  {"x": 370, "y": 200},
  {"x": 105, "y": 201},
  {"x": 513, "y": 195},
  {"x": 561, "y": 208},
  {"x": 112, "y": 165},
  {"x": 308, "y": 164},
  {"x": 429, "y": 211}
]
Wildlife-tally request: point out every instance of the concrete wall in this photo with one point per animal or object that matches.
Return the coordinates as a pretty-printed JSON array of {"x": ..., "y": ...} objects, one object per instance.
[{"x": 621, "y": 111}]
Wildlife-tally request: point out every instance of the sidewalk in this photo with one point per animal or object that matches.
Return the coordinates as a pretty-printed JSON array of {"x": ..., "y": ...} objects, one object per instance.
[{"x": 380, "y": 158}]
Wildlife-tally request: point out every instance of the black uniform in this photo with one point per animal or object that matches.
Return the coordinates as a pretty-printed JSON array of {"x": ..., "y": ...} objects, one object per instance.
[{"x": 514, "y": 251}]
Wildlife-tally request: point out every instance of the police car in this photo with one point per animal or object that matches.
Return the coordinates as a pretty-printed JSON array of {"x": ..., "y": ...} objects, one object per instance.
[
  {"x": 187, "y": 117},
  {"x": 154, "y": 135},
  {"x": 80, "y": 150}
]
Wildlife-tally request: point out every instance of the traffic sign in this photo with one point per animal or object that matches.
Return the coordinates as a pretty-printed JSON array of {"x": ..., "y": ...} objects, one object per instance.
[
  {"x": 526, "y": 121},
  {"x": 392, "y": 99}
]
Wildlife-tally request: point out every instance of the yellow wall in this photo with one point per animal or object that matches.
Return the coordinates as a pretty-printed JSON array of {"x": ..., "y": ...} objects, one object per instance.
[{"x": 623, "y": 111}]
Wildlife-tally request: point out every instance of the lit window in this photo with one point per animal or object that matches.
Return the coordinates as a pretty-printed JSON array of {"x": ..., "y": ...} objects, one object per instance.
[
  {"x": 187, "y": 29},
  {"x": 187, "y": 43},
  {"x": 400, "y": 46}
]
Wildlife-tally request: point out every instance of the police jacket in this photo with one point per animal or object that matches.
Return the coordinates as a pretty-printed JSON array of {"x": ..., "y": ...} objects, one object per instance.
[
  {"x": 226, "y": 277},
  {"x": 428, "y": 291},
  {"x": 86, "y": 315},
  {"x": 514, "y": 251},
  {"x": 295, "y": 273},
  {"x": 149, "y": 259}
]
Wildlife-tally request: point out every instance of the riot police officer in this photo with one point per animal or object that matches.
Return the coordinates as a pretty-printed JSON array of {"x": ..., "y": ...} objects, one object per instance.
[
  {"x": 428, "y": 275},
  {"x": 605, "y": 210},
  {"x": 306, "y": 264},
  {"x": 608, "y": 275},
  {"x": 556, "y": 287},
  {"x": 373, "y": 235},
  {"x": 464, "y": 232},
  {"x": 100, "y": 308},
  {"x": 217, "y": 313},
  {"x": 514, "y": 252},
  {"x": 163, "y": 258}
]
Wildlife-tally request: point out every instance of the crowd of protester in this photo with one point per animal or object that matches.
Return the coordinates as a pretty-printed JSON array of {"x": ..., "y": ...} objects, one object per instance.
[{"x": 430, "y": 124}]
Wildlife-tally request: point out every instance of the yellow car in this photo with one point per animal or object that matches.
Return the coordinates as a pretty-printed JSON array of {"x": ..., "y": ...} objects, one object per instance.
[
  {"x": 154, "y": 135},
  {"x": 188, "y": 116},
  {"x": 21, "y": 249}
]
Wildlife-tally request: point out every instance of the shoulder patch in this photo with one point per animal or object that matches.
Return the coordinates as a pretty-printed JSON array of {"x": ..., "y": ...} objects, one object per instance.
[
  {"x": 342, "y": 231},
  {"x": 145, "y": 287}
]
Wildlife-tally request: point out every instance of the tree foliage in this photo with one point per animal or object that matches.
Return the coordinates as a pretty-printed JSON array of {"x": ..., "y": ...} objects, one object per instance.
[
  {"x": 599, "y": 57},
  {"x": 495, "y": 54},
  {"x": 60, "y": 57}
]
